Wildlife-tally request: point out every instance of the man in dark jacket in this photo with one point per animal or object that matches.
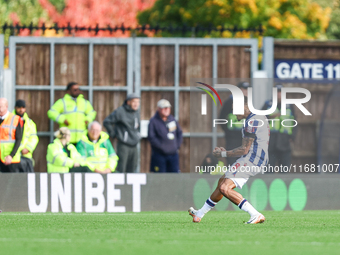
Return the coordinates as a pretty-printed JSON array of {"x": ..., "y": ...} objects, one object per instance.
[
  {"x": 232, "y": 133},
  {"x": 124, "y": 124},
  {"x": 165, "y": 136}
]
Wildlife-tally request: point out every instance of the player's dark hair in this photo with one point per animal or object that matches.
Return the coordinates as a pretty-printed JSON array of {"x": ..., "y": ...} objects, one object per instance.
[{"x": 70, "y": 84}]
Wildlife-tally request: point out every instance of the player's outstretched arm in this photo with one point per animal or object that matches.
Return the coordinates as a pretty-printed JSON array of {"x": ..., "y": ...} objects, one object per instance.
[{"x": 237, "y": 152}]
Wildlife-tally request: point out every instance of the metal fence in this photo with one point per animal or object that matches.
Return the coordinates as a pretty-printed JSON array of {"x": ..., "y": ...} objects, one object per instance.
[
  {"x": 177, "y": 43},
  {"x": 177, "y": 56},
  {"x": 52, "y": 87},
  {"x": 184, "y": 30}
]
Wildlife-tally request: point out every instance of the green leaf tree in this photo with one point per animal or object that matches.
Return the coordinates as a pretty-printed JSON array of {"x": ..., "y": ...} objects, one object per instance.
[
  {"x": 298, "y": 19},
  {"x": 333, "y": 30},
  {"x": 22, "y": 11}
]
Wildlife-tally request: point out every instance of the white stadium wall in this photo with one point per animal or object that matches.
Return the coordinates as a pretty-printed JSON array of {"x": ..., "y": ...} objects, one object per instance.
[{"x": 95, "y": 193}]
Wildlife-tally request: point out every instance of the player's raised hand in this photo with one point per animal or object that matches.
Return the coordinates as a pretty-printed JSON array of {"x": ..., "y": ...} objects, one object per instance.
[{"x": 217, "y": 152}]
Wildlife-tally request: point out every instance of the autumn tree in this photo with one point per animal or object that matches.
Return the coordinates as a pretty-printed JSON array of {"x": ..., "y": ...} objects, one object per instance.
[
  {"x": 333, "y": 30},
  {"x": 298, "y": 19},
  {"x": 81, "y": 13},
  {"x": 89, "y": 13}
]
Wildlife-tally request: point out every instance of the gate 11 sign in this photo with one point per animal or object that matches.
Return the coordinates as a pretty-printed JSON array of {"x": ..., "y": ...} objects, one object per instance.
[{"x": 306, "y": 69}]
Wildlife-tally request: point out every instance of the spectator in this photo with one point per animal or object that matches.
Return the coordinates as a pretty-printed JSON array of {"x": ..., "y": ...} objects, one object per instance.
[
  {"x": 29, "y": 138},
  {"x": 232, "y": 133},
  {"x": 165, "y": 136},
  {"x": 124, "y": 124},
  {"x": 280, "y": 137},
  {"x": 62, "y": 156},
  {"x": 11, "y": 127},
  {"x": 73, "y": 111},
  {"x": 96, "y": 147}
]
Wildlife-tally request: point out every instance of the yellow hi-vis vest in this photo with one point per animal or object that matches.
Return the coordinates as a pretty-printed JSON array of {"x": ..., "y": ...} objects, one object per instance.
[
  {"x": 29, "y": 137},
  {"x": 58, "y": 160},
  {"x": 76, "y": 112},
  {"x": 99, "y": 155},
  {"x": 7, "y": 137}
]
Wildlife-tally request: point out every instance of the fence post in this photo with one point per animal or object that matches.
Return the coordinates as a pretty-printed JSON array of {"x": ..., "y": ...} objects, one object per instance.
[
  {"x": 268, "y": 56},
  {"x": 268, "y": 63}
]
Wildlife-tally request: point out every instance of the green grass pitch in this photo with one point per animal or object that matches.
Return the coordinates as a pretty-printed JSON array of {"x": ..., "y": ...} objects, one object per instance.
[{"x": 287, "y": 232}]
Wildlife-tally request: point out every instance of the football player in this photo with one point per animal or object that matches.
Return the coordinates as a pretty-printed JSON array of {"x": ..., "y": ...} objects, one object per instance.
[{"x": 253, "y": 155}]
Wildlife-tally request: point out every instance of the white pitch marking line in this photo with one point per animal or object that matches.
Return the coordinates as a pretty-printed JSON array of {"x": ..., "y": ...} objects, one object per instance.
[
  {"x": 67, "y": 214},
  {"x": 54, "y": 240}
]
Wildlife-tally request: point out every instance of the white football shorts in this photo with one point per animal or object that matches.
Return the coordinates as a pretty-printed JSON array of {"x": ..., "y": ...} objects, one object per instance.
[{"x": 241, "y": 170}]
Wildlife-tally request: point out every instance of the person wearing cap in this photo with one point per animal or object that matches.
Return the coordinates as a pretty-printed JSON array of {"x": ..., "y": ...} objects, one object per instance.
[
  {"x": 232, "y": 133},
  {"x": 73, "y": 111},
  {"x": 281, "y": 137},
  {"x": 29, "y": 138},
  {"x": 11, "y": 127},
  {"x": 165, "y": 136},
  {"x": 124, "y": 124}
]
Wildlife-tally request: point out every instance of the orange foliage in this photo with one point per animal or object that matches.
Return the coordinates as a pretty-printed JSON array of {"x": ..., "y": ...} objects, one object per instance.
[{"x": 89, "y": 13}]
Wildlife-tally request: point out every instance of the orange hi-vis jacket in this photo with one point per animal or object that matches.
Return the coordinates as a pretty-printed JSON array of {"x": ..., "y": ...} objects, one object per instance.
[{"x": 7, "y": 137}]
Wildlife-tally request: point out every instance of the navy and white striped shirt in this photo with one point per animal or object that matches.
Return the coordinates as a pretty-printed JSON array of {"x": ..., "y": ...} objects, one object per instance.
[{"x": 257, "y": 126}]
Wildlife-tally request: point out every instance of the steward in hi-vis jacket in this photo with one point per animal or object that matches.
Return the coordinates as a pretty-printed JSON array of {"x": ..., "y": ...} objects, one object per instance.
[
  {"x": 73, "y": 111},
  {"x": 62, "y": 156},
  {"x": 11, "y": 127},
  {"x": 97, "y": 150},
  {"x": 29, "y": 138}
]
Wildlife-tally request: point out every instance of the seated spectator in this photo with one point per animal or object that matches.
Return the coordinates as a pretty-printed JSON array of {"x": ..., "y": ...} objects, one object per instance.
[
  {"x": 63, "y": 157},
  {"x": 96, "y": 147}
]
